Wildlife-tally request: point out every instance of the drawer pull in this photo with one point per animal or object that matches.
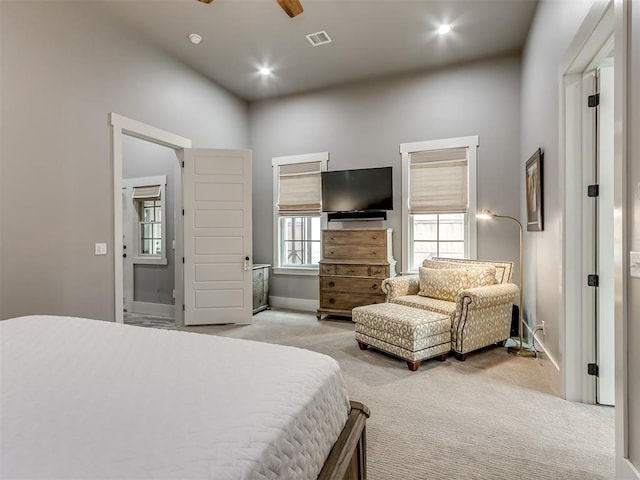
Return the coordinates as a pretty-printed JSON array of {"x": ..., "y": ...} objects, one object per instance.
[
  {"x": 374, "y": 237},
  {"x": 352, "y": 270},
  {"x": 374, "y": 252},
  {"x": 333, "y": 238},
  {"x": 375, "y": 286},
  {"x": 332, "y": 300},
  {"x": 331, "y": 284},
  {"x": 331, "y": 252}
]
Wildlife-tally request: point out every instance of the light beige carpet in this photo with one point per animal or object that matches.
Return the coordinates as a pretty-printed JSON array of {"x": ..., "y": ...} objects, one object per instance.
[{"x": 491, "y": 417}]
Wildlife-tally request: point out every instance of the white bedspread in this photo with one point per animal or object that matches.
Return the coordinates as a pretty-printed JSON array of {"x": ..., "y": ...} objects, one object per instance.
[{"x": 84, "y": 399}]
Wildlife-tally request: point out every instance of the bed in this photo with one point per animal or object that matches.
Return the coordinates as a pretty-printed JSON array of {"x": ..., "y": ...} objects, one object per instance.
[{"x": 87, "y": 399}]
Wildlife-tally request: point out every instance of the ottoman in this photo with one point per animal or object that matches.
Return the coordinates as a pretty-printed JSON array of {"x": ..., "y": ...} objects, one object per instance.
[{"x": 406, "y": 332}]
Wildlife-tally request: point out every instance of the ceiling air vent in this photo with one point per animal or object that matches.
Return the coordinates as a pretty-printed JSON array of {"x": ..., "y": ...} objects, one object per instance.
[{"x": 318, "y": 38}]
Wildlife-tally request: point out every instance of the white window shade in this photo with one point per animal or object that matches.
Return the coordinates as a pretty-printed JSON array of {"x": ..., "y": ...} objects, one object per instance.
[
  {"x": 438, "y": 181},
  {"x": 150, "y": 192},
  {"x": 299, "y": 189}
]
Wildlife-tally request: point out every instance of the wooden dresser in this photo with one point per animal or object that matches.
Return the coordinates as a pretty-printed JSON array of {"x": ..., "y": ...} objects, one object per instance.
[
  {"x": 353, "y": 265},
  {"x": 260, "y": 287}
]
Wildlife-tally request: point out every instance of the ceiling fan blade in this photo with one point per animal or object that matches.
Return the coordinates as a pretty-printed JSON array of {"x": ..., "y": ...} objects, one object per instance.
[
  {"x": 292, "y": 7},
  {"x": 205, "y": 1}
]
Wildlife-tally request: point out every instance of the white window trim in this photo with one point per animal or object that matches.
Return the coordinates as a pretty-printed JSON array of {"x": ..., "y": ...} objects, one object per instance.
[
  {"x": 471, "y": 232},
  {"x": 130, "y": 183},
  {"x": 323, "y": 158}
]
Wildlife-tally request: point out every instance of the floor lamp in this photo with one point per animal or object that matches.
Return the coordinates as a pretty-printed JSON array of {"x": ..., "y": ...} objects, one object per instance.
[{"x": 519, "y": 350}]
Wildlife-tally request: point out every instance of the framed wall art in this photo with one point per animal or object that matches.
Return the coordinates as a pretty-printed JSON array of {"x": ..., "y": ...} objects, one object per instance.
[{"x": 534, "y": 191}]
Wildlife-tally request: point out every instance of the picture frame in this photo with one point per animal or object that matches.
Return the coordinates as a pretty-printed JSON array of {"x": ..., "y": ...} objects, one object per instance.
[{"x": 534, "y": 192}]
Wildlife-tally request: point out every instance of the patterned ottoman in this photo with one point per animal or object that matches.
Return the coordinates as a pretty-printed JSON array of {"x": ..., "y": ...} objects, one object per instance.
[{"x": 406, "y": 332}]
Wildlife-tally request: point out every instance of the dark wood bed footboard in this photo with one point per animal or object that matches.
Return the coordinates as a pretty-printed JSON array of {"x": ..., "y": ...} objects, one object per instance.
[{"x": 348, "y": 457}]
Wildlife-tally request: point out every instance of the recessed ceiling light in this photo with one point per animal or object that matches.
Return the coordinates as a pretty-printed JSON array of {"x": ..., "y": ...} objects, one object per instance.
[
  {"x": 265, "y": 71},
  {"x": 195, "y": 38},
  {"x": 444, "y": 29}
]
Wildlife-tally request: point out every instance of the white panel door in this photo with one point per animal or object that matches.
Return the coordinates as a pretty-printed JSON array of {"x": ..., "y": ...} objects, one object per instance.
[{"x": 217, "y": 236}]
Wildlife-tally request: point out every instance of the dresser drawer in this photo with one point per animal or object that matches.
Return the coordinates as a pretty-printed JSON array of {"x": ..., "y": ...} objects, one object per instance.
[
  {"x": 355, "y": 270},
  {"x": 327, "y": 269},
  {"x": 347, "y": 252},
  {"x": 351, "y": 237},
  {"x": 379, "y": 271},
  {"x": 348, "y": 284},
  {"x": 347, "y": 301}
]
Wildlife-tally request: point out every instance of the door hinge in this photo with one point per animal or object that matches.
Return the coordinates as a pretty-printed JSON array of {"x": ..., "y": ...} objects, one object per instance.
[
  {"x": 183, "y": 307},
  {"x": 593, "y": 100},
  {"x": 183, "y": 212},
  {"x": 592, "y": 369},
  {"x": 593, "y": 190},
  {"x": 183, "y": 164},
  {"x": 182, "y": 259},
  {"x": 593, "y": 280}
]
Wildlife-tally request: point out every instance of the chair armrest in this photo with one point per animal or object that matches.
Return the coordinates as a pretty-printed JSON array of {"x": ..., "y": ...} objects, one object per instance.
[
  {"x": 488, "y": 296},
  {"x": 401, "y": 286},
  {"x": 483, "y": 316}
]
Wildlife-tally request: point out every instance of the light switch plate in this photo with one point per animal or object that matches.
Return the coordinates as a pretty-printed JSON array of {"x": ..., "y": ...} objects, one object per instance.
[
  {"x": 101, "y": 248},
  {"x": 634, "y": 264}
]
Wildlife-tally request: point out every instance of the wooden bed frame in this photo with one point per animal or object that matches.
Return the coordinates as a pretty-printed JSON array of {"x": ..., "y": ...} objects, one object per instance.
[{"x": 348, "y": 457}]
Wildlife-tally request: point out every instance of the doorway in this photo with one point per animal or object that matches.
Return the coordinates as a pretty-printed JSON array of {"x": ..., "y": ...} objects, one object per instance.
[
  {"x": 123, "y": 130},
  {"x": 149, "y": 188},
  {"x": 588, "y": 134}
]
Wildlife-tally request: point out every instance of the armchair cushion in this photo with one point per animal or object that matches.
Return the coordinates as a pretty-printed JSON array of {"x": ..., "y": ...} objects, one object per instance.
[
  {"x": 426, "y": 303},
  {"x": 443, "y": 284},
  {"x": 478, "y": 275}
]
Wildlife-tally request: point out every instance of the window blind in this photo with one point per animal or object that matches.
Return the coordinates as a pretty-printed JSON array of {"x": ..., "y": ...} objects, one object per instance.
[
  {"x": 438, "y": 181},
  {"x": 151, "y": 192},
  {"x": 299, "y": 189}
]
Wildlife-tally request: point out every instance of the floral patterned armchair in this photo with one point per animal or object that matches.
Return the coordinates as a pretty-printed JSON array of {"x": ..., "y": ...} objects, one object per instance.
[{"x": 477, "y": 296}]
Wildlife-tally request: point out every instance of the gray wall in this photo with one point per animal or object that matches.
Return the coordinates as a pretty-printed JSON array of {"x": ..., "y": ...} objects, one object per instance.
[
  {"x": 554, "y": 27},
  {"x": 64, "y": 66},
  {"x": 153, "y": 283},
  {"x": 362, "y": 125}
]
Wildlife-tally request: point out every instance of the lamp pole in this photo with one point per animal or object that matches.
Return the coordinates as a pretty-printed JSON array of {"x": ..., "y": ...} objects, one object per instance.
[{"x": 519, "y": 350}]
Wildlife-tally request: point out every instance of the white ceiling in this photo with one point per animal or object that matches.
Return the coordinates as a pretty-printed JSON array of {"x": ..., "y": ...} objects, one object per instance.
[{"x": 371, "y": 38}]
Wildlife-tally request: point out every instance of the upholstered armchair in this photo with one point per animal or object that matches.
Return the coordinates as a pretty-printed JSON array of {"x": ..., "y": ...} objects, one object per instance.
[{"x": 476, "y": 295}]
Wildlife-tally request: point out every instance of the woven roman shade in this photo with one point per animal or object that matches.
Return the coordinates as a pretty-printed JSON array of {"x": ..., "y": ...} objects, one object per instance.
[
  {"x": 300, "y": 189},
  {"x": 150, "y": 192},
  {"x": 438, "y": 181}
]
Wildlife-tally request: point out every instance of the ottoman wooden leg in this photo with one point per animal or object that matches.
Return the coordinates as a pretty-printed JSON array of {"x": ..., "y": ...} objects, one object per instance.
[
  {"x": 443, "y": 357},
  {"x": 413, "y": 366},
  {"x": 363, "y": 346},
  {"x": 461, "y": 356}
]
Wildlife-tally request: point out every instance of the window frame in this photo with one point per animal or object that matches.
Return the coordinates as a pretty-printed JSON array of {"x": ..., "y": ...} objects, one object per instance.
[
  {"x": 278, "y": 269},
  {"x": 471, "y": 231},
  {"x": 136, "y": 218}
]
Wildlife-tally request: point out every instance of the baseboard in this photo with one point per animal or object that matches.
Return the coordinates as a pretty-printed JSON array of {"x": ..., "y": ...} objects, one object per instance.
[
  {"x": 304, "y": 304},
  {"x": 157, "y": 309},
  {"x": 551, "y": 367}
]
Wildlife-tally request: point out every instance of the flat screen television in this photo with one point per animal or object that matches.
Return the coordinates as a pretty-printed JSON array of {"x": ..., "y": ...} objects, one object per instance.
[{"x": 357, "y": 191}]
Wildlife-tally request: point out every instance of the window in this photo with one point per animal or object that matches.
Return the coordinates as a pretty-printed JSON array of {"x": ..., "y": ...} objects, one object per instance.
[
  {"x": 150, "y": 227},
  {"x": 438, "y": 179},
  {"x": 298, "y": 212},
  {"x": 145, "y": 212}
]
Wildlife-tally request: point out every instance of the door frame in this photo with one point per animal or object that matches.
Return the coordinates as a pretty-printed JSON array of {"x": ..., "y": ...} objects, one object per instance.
[
  {"x": 121, "y": 125},
  {"x": 576, "y": 145}
]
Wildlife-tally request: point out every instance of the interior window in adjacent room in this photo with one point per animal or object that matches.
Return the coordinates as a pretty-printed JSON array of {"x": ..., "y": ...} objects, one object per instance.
[
  {"x": 148, "y": 218},
  {"x": 439, "y": 199},
  {"x": 298, "y": 219}
]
